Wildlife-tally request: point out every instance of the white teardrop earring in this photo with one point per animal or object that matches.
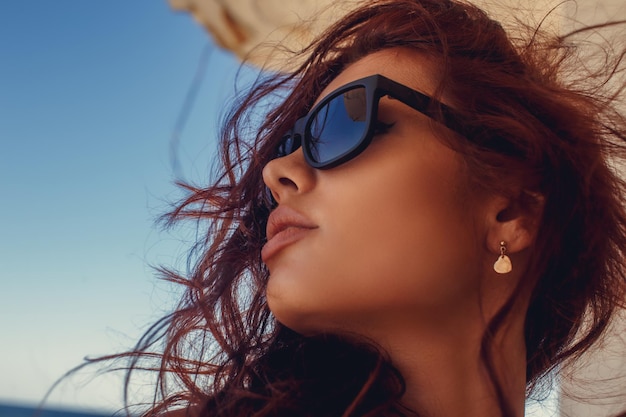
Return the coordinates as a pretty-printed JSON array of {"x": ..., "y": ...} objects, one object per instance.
[{"x": 503, "y": 264}]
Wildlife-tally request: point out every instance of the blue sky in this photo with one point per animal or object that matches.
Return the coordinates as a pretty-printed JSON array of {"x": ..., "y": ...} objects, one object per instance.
[{"x": 89, "y": 96}]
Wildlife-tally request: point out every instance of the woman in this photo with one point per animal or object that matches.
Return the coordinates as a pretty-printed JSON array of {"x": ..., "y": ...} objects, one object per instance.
[{"x": 427, "y": 224}]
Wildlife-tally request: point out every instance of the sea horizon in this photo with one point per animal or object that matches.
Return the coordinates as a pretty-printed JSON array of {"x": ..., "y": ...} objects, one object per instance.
[{"x": 9, "y": 409}]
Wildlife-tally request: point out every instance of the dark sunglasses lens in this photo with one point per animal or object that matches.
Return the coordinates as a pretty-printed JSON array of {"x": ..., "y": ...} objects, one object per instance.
[
  {"x": 287, "y": 145},
  {"x": 338, "y": 127}
]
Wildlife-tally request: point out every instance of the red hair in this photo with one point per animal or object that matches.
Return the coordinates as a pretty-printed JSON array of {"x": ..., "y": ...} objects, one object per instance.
[{"x": 533, "y": 128}]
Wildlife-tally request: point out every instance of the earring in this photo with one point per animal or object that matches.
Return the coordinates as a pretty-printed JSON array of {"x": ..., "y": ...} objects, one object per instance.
[{"x": 503, "y": 264}]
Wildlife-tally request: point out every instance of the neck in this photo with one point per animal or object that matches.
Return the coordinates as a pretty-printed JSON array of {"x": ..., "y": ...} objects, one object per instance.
[
  {"x": 446, "y": 374},
  {"x": 452, "y": 383}
]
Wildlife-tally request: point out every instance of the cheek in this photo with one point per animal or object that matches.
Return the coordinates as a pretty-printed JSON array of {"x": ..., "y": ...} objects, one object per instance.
[{"x": 409, "y": 244}]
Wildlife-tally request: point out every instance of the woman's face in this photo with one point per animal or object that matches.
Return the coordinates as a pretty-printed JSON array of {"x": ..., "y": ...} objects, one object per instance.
[{"x": 392, "y": 236}]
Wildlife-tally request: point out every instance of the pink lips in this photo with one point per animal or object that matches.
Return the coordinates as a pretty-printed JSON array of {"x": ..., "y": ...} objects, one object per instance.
[{"x": 284, "y": 227}]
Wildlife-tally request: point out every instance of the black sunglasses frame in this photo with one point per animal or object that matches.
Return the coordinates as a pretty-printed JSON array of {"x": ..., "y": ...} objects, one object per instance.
[{"x": 376, "y": 86}]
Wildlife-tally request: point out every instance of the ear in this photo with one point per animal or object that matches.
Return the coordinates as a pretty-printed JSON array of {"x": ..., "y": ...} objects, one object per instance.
[{"x": 514, "y": 220}]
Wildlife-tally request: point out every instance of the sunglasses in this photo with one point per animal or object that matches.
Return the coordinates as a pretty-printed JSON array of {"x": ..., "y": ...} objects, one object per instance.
[{"x": 344, "y": 123}]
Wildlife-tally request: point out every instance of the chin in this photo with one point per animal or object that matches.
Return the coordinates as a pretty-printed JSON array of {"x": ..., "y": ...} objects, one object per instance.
[
  {"x": 294, "y": 317},
  {"x": 288, "y": 316}
]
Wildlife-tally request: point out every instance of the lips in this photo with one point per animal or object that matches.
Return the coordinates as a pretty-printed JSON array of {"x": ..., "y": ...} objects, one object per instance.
[{"x": 284, "y": 227}]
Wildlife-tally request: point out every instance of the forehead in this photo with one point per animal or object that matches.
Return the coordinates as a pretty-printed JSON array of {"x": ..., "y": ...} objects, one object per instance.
[{"x": 403, "y": 65}]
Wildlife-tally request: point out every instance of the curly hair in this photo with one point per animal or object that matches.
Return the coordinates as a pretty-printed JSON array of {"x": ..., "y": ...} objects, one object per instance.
[{"x": 532, "y": 122}]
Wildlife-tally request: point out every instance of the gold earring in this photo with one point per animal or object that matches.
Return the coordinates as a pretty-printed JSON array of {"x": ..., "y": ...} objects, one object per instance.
[{"x": 503, "y": 264}]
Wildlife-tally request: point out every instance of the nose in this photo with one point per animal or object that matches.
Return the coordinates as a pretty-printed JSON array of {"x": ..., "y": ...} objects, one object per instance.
[{"x": 289, "y": 176}]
